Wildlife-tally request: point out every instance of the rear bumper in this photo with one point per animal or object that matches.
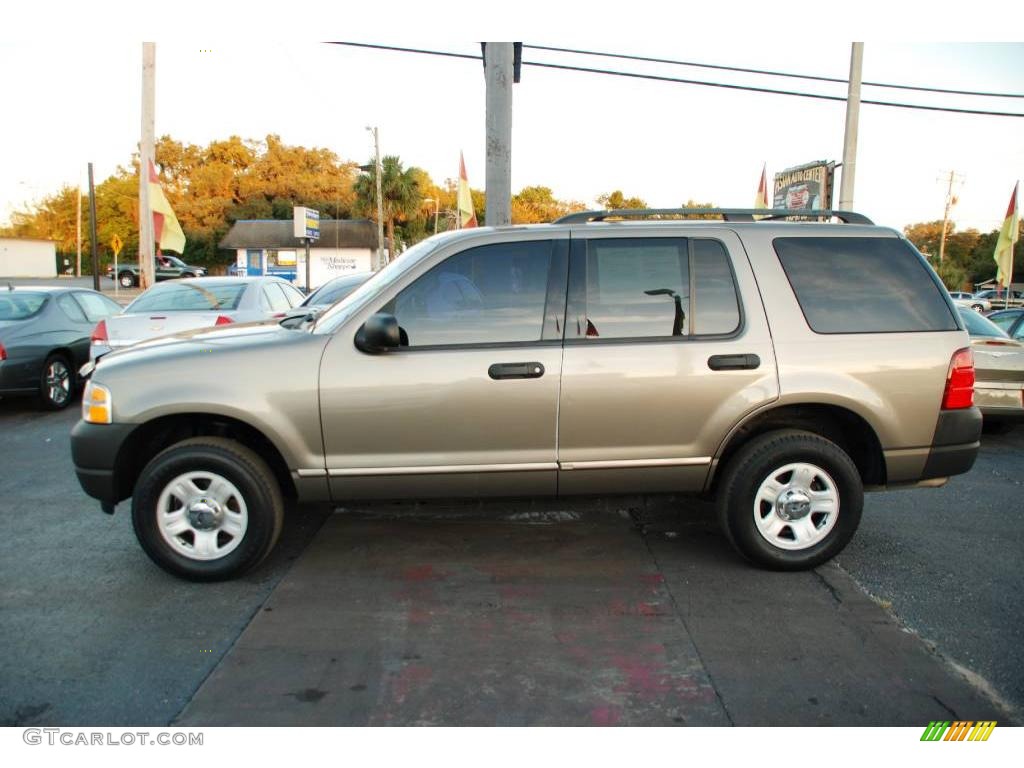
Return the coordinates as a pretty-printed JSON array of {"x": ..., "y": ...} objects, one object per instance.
[
  {"x": 94, "y": 449},
  {"x": 955, "y": 445}
]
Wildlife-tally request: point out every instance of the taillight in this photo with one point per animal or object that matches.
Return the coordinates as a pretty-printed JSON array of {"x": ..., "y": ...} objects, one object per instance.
[
  {"x": 3, "y": 352},
  {"x": 223, "y": 320},
  {"x": 99, "y": 333},
  {"x": 960, "y": 381}
]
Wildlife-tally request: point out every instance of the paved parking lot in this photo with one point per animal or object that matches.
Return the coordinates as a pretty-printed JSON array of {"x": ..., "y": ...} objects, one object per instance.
[{"x": 594, "y": 612}]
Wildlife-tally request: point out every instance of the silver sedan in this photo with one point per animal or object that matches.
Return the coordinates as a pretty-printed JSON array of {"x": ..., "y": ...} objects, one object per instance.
[{"x": 184, "y": 305}]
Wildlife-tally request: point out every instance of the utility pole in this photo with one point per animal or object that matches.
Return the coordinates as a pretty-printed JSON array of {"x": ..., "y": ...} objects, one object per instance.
[
  {"x": 146, "y": 146},
  {"x": 852, "y": 123},
  {"x": 78, "y": 229},
  {"x": 380, "y": 197},
  {"x": 92, "y": 234},
  {"x": 498, "y": 75},
  {"x": 951, "y": 200}
]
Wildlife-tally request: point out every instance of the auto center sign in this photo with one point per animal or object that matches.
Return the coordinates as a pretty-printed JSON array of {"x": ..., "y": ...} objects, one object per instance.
[
  {"x": 805, "y": 187},
  {"x": 306, "y": 223}
]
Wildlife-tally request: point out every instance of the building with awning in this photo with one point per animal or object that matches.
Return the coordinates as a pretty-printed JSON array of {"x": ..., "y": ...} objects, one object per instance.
[{"x": 269, "y": 247}]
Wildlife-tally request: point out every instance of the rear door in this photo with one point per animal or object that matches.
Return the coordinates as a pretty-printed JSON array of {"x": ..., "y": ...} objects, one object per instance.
[{"x": 666, "y": 348}]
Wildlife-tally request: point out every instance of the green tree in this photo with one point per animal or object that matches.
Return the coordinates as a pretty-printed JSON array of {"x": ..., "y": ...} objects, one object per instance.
[
  {"x": 616, "y": 200},
  {"x": 534, "y": 205},
  {"x": 401, "y": 197}
]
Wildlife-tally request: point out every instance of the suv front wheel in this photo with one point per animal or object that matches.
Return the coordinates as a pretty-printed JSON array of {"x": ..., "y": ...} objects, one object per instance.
[
  {"x": 207, "y": 509},
  {"x": 790, "y": 500}
]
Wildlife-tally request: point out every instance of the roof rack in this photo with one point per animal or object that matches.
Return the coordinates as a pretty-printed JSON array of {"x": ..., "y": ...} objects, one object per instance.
[{"x": 727, "y": 214}]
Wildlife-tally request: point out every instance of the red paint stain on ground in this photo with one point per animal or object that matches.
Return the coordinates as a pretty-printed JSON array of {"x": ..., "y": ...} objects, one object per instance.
[
  {"x": 605, "y": 715},
  {"x": 410, "y": 679},
  {"x": 419, "y": 573}
]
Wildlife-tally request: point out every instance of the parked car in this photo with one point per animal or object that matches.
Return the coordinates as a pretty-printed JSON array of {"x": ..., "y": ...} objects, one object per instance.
[
  {"x": 1000, "y": 298},
  {"x": 166, "y": 268},
  {"x": 964, "y": 299},
  {"x": 999, "y": 371},
  {"x": 195, "y": 303},
  {"x": 727, "y": 358},
  {"x": 44, "y": 339},
  {"x": 1011, "y": 321}
]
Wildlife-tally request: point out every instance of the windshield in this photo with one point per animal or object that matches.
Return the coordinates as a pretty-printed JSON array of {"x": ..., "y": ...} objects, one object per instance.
[
  {"x": 344, "y": 309},
  {"x": 19, "y": 305},
  {"x": 336, "y": 290},
  {"x": 185, "y": 297},
  {"x": 981, "y": 326}
]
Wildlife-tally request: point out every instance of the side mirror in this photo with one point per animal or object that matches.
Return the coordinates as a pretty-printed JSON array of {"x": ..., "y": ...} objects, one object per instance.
[{"x": 378, "y": 334}]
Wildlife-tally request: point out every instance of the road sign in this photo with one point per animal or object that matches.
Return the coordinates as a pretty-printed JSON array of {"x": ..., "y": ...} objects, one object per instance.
[{"x": 116, "y": 245}]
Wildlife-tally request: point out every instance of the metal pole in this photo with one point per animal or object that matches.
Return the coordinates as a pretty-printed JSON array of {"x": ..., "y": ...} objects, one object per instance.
[
  {"x": 945, "y": 218},
  {"x": 852, "y": 122},
  {"x": 498, "y": 75},
  {"x": 78, "y": 229},
  {"x": 309, "y": 288},
  {"x": 146, "y": 150},
  {"x": 436, "y": 202},
  {"x": 92, "y": 234},
  {"x": 380, "y": 198}
]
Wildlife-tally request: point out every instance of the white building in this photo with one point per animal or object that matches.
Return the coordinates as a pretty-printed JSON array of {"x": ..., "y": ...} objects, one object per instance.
[
  {"x": 268, "y": 247},
  {"x": 23, "y": 257}
]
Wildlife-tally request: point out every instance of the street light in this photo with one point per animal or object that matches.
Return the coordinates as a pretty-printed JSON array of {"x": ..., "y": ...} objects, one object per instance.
[
  {"x": 380, "y": 198},
  {"x": 433, "y": 200}
]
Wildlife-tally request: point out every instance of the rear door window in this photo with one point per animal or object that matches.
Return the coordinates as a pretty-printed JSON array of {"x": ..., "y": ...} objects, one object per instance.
[{"x": 863, "y": 285}]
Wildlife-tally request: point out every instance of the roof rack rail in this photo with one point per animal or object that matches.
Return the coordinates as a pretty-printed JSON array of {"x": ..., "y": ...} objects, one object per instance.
[{"x": 727, "y": 214}]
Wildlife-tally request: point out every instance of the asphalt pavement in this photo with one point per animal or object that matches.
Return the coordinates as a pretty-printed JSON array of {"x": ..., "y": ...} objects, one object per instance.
[{"x": 591, "y": 612}]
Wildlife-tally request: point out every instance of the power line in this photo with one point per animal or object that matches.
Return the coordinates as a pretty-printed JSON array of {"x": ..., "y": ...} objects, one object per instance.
[
  {"x": 687, "y": 81},
  {"x": 770, "y": 72}
]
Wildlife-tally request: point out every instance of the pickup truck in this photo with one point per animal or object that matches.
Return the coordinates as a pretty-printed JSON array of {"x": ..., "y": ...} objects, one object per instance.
[{"x": 167, "y": 268}]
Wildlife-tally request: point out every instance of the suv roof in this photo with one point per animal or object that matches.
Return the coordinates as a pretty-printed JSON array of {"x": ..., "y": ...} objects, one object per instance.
[{"x": 727, "y": 214}]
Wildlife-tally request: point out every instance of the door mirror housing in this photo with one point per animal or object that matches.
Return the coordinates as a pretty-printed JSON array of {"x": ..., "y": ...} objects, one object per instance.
[{"x": 378, "y": 334}]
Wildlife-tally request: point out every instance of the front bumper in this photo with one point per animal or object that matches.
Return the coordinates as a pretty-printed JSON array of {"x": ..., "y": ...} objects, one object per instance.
[{"x": 94, "y": 451}]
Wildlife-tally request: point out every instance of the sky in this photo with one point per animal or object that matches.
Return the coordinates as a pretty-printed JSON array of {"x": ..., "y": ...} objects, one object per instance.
[{"x": 581, "y": 134}]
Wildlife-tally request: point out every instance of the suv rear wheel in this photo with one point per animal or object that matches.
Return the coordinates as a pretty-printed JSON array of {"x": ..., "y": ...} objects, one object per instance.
[
  {"x": 790, "y": 500},
  {"x": 207, "y": 509},
  {"x": 127, "y": 280}
]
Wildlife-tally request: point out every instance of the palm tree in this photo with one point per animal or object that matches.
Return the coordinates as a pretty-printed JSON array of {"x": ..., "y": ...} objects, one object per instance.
[{"x": 400, "y": 190}]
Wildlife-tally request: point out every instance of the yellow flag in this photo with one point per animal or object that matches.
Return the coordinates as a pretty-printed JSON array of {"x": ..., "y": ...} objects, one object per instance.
[
  {"x": 1004, "y": 246},
  {"x": 467, "y": 215},
  {"x": 166, "y": 229}
]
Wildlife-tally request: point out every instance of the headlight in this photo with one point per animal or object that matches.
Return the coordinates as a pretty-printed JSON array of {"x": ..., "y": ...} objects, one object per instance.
[{"x": 97, "y": 407}]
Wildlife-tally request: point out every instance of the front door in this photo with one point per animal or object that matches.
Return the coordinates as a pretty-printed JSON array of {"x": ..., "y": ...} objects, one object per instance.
[
  {"x": 468, "y": 405},
  {"x": 666, "y": 348},
  {"x": 254, "y": 263}
]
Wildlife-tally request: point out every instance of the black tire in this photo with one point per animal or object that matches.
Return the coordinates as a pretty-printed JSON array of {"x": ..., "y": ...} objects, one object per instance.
[
  {"x": 760, "y": 459},
  {"x": 128, "y": 280},
  {"x": 977, "y": 307},
  {"x": 250, "y": 476},
  {"x": 57, "y": 383}
]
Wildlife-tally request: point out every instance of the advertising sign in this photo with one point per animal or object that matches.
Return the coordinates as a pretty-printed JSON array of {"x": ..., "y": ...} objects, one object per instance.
[
  {"x": 806, "y": 187},
  {"x": 305, "y": 223}
]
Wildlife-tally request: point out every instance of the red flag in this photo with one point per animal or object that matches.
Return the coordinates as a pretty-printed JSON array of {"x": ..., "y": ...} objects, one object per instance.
[{"x": 467, "y": 215}]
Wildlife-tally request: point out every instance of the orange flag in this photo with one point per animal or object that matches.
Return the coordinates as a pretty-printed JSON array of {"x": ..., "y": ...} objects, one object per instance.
[
  {"x": 762, "y": 190},
  {"x": 467, "y": 215}
]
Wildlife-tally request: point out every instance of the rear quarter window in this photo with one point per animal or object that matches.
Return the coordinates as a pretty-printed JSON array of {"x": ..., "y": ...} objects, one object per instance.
[{"x": 863, "y": 285}]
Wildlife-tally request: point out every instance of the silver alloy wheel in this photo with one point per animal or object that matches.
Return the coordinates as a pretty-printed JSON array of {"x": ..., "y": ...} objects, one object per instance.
[
  {"x": 58, "y": 382},
  {"x": 202, "y": 515},
  {"x": 127, "y": 281},
  {"x": 796, "y": 506}
]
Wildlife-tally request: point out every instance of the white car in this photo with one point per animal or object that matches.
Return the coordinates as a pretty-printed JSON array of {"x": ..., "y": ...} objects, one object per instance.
[
  {"x": 969, "y": 300},
  {"x": 184, "y": 305}
]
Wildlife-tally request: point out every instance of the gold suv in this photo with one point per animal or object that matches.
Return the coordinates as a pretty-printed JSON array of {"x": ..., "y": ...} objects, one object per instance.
[{"x": 779, "y": 367}]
